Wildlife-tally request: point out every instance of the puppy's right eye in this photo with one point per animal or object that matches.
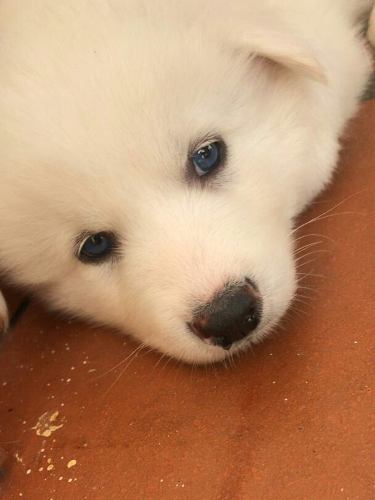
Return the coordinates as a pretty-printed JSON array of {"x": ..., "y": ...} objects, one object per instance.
[
  {"x": 208, "y": 158},
  {"x": 97, "y": 247}
]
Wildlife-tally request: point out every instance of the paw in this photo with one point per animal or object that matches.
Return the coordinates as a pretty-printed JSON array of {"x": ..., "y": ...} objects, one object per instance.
[
  {"x": 371, "y": 28},
  {"x": 4, "y": 320}
]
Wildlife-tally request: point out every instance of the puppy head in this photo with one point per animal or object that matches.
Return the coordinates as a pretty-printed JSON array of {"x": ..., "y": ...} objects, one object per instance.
[{"x": 150, "y": 170}]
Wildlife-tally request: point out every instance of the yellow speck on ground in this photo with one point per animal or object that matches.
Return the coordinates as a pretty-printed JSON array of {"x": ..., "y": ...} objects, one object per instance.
[
  {"x": 71, "y": 463},
  {"x": 54, "y": 416},
  {"x": 45, "y": 425},
  {"x": 50, "y": 467}
]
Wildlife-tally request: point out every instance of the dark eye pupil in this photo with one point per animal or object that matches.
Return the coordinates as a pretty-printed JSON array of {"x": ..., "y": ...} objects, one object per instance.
[
  {"x": 97, "y": 247},
  {"x": 207, "y": 158}
]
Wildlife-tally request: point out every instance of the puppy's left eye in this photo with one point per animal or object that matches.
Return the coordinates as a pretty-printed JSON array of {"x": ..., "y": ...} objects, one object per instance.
[
  {"x": 208, "y": 158},
  {"x": 97, "y": 247}
]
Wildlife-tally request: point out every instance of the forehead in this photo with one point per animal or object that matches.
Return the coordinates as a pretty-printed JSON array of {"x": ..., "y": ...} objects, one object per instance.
[
  {"x": 130, "y": 78},
  {"x": 107, "y": 104}
]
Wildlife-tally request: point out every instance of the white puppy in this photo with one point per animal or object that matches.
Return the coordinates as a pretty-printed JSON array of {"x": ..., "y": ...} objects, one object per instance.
[{"x": 155, "y": 153}]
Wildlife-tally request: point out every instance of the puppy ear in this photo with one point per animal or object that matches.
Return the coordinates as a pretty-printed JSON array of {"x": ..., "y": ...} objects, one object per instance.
[
  {"x": 275, "y": 41},
  {"x": 287, "y": 51}
]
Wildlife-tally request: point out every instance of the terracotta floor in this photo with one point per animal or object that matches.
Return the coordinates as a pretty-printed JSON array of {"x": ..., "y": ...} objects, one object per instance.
[{"x": 82, "y": 417}]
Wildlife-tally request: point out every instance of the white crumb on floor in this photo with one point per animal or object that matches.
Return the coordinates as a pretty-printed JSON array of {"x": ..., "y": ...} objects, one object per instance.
[{"x": 46, "y": 424}]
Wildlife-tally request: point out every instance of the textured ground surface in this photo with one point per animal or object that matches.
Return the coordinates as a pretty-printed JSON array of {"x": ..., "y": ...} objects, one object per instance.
[{"x": 294, "y": 419}]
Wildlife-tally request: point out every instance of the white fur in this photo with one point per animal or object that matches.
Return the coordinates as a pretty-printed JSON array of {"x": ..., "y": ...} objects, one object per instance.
[
  {"x": 99, "y": 102},
  {"x": 371, "y": 28},
  {"x": 3, "y": 315}
]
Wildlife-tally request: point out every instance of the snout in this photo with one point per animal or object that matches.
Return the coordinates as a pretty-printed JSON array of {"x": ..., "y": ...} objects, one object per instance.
[{"x": 232, "y": 315}]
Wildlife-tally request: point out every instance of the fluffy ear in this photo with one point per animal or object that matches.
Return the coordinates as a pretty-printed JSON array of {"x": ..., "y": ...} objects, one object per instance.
[
  {"x": 288, "y": 51},
  {"x": 273, "y": 39}
]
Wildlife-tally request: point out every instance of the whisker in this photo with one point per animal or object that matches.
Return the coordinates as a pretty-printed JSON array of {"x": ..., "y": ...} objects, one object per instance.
[
  {"x": 231, "y": 360},
  {"x": 167, "y": 361},
  {"x": 324, "y": 217},
  {"x": 120, "y": 363},
  {"x": 296, "y": 308},
  {"x": 315, "y": 235},
  {"x": 302, "y": 276},
  {"x": 301, "y": 301},
  {"x": 161, "y": 357},
  {"x": 134, "y": 354},
  {"x": 303, "y": 264},
  {"x": 309, "y": 288},
  {"x": 193, "y": 366},
  {"x": 319, "y": 217},
  {"x": 315, "y": 252},
  {"x": 302, "y": 296},
  {"x": 305, "y": 247}
]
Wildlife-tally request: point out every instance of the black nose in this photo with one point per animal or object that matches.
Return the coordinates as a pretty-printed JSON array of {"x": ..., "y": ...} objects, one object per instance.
[{"x": 231, "y": 316}]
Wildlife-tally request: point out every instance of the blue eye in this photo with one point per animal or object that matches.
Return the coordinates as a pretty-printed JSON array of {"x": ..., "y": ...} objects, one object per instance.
[
  {"x": 207, "y": 158},
  {"x": 97, "y": 247}
]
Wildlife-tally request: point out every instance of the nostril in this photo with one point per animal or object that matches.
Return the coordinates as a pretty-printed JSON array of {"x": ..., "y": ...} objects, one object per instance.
[{"x": 198, "y": 326}]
